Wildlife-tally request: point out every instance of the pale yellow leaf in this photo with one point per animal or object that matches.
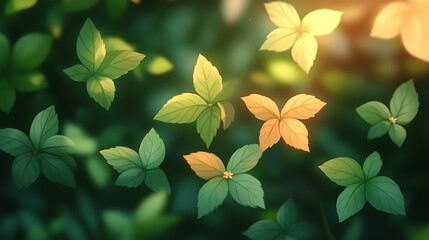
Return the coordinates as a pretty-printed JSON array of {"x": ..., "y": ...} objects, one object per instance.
[
  {"x": 269, "y": 134},
  {"x": 283, "y": 15},
  {"x": 390, "y": 20},
  {"x": 262, "y": 107},
  {"x": 207, "y": 80},
  {"x": 415, "y": 36},
  {"x": 205, "y": 165},
  {"x": 227, "y": 113},
  {"x": 304, "y": 51},
  {"x": 294, "y": 133},
  {"x": 321, "y": 22},
  {"x": 279, "y": 40},
  {"x": 302, "y": 106}
]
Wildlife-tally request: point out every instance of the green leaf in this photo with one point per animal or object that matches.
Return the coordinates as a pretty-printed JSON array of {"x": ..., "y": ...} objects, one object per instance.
[
  {"x": 264, "y": 230},
  {"x": 384, "y": 195},
  {"x": 398, "y": 134},
  {"x": 25, "y": 169},
  {"x": 405, "y": 103},
  {"x": 5, "y": 50},
  {"x": 211, "y": 195},
  {"x": 351, "y": 201},
  {"x": 7, "y": 96},
  {"x": 116, "y": 8},
  {"x": 14, "y": 6},
  {"x": 244, "y": 159},
  {"x": 373, "y": 112},
  {"x": 132, "y": 177},
  {"x": 90, "y": 47},
  {"x": 301, "y": 230},
  {"x": 69, "y": 160},
  {"x": 58, "y": 144},
  {"x": 372, "y": 165},
  {"x": 56, "y": 169},
  {"x": 119, "y": 62},
  {"x": 44, "y": 126},
  {"x": 207, "y": 124},
  {"x": 102, "y": 90},
  {"x": 228, "y": 89},
  {"x": 157, "y": 181},
  {"x": 29, "y": 81},
  {"x": 343, "y": 171},
  {"x": 152, "y": 150},
  {"x": 287, "y": 215},
  {"x": 378, "y": 129},
  {"x": 183, "y": 108},
  {"x": 15, "y": 142},
  {"x": 159, "y": 65},
  {"x": 246, "y": 190},
  {"x": 122, "y": 158},
  {"x": 227, "y": 113},
  {"x": 207, "y": 80},
  {"x": 78, "y": 73},
  {"x": 78, "y": 5},
  {"x": 30, "y": 51}
]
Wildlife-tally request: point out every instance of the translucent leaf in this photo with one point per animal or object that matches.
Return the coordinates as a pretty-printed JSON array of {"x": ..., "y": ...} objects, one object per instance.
[
  {"x": 15, "y": 142},
  {"x": 205, "y": 165},
  {"x": 264, "y": 230},
  {"x": 78, "y": 73},
  {"x": 373, "y": 112},
  {"x": 304, "y": 51},
  {"x": 44, "y": 126},
  {"x": 14, "y": 6},
  {"x": 321, "y": 22},
  {"x": 287, "y": 215},
  {"x": 227, "y": 113},
  {"x": 351, "y": 201},
  {"x": 119, "y": 62},
  {"x": 372, "y": 165},
  {"x": 183, "y": 108},
  {"x": 207, "y": 80},
  {"x": 404, "y": 104},
  {"x": 30, "y": 51},
  {"x": 122, "y": 158},
  {"x": 280, "y": 40},
  {"x": 159, "y": 65},
  {"x": 151, "y": 208},
  {"x": 388, "y": 23},
  {"x": 246, "y": 190},
  {"x": 156, "y": 180},
  {"x": 228, "y": 91},
  {"x": 208, "y": 123},
  {"x": 384, "y": 195},
  {"x": 152, "y": 150},
  {"x": 132, "y": 177},
  {"x": 302, "y": 106},
  {"x": 262, "y": 107},
  {"x": 102, "y": 90},
  {"x": 58, "y": 144},
  {"x": 90, "y": 47},
  {"x": 378, "y": 129},
  {"x": 56, "y": 170},
  {"x": 283, "y": 15},
  {"x": 211, "y": 195},
  {"x": 415, "y": 34},
  {"x": 29, "y": 81},
  {"x": 269, "y": 134},
  {"x": 398, "y": 134},
  {"x": 7, "y": 96},
  {"x": 25, "y": 169},
  {"x": 294, "y": 133},
  {"x": 343, "y": 171},
  {"x": 244, "y": 159}
]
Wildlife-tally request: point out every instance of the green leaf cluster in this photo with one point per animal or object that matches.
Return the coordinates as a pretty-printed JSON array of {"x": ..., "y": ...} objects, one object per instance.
[
  {"x": 18, "y": 66},
  {"x": 363, "y": 184},
  {"x": 287, "y": 226},
  {"x": 404, "y": 106},
  {"x": 43, "y": 152},
  {"x": 136, "y": 168},
  {"x": 208, "y": 108},
  {"x": 99, "y": 67}
]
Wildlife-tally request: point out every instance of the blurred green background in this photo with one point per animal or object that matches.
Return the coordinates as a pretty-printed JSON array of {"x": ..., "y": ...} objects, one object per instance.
[{"x": 351, "y": 68}]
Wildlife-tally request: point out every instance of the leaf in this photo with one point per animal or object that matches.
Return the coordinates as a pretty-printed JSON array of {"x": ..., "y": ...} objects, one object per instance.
[
  {"x": 351, "y": 201},
  {"x": 7, "y": 96},
  {"x": 302, "y": 106},
  {"x": 405, "y": 103},
  {"x": 90, "y": 47},
  {"x": 119, "y": 62},
  {"x": 132, "y": 177},
  {"x": 102, "y": 90},
  {"x": 321, "y": 22},
  {"x": 205, "y": 165},
  {"x": 343, "y": 171},
  {"x": 122, "y": 158},
  {"x": 388, "y": 23},
  {"x": 30, "y": 51},
  {"x": 157, "y": 181},
  {"x": 244, "y": 159},
  {"x": 398, "y": 134},
  {"x": 15, "y": 142},
  {"x": 152, "y": 150},
  {"x": 372, "y": 165},
  {"x": 25, "y": 169},
  {"x": 228, "y": 91},
  {"x": 301, "y": 230},
  {"x": 373, "y": 112},
  {"x": 280, "y": 40},
  {"x": 262, "y": 107},
  {"x": 56, "y": 170},
  {"x": 58, "y": 144},
  {"x": 78, "y": 73},
  {"x": 207, "y": 124},
  {"x": 44, "y": 126},
  {"x": 282, "y": 14},
  {"x": 287, "y": 215},
  {"x": 227, "y": 113},
  {"x": 211, "y": 195},
  {"x": 269, "y": 134},
  {"x": 5, "y": 50},
  {"x": 159, "y": 65},
  {"x": 29, "y": 81},
  {"x": 207, "y": 80},
  {"x": 304, "y": 51},
  {"x": 14, "y": 6},
  {"x": 414, "y": 34},
  {"x": 384, "y": 195},
  {"x": 294, "y": 133},
  {"x": 246, "y": 190},
  {"x": 183, "y": 108},
  {"x": 378, "y": 129},
  {"x": 264, "y": 230}
]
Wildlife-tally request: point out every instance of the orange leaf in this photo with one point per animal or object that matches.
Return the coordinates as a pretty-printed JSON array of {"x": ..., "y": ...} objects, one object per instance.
[
  {"x": 205, "y": 165},
  {"x": 302, "y": 106},
  {"x": 262, "y": 107},
  {"x": 269, "y": 134},
  {"x": 294, "y": 133}
]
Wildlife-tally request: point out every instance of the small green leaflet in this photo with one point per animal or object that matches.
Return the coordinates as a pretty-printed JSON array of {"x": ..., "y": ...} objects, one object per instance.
[
  {"x": 100, "y": 67},
  {"x": 363, "y": 184},
  {"x": 287, "y": 226},
  {"x": 244, "y": 188},
  {"x": 42, "y": 152},
  {"x": 404, "y": 106},
  {"x": 18, "y": 66},
  {"x": 208, "y": 107},
  {"x": 136, "y": 168},
  {"x": 14, "y": 6}
]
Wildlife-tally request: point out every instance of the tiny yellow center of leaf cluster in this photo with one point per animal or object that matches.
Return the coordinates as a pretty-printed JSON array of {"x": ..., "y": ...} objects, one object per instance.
[
  {"x": 393, "y": 120},
  {"x": 228, "y": 175}
]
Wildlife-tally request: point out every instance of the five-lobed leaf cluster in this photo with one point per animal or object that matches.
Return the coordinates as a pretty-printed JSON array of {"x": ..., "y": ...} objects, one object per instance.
[
  {"x": 404, "y": 106},
  {"x": 99, "y": 68},
  {"x": 43, "y": 152},
  {"x": 363, "y": 184}
]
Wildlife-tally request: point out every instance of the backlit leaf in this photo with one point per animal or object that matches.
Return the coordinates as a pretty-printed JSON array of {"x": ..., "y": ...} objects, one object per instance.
[
  {"x": 351, "y": 201},
  {"x": 294, "y": 133},
  {"x": 343, "y": 171},
  {"x": 78, "y": 73},
  {"x": 262, "y": 107},
  {"x": 246, "y": 190},
  {"x": 372, "y": 165},
  {"x": 321, "y": 22},
  {"x": 122, "y": 158},
  {"x": 264, "y": 230},
  {"x": 280, "y": 40},
  {"x": 227, "y": 113},
  {"x": 228, "y": 91},
  {"x": 152, "y": 150},
  {"x": 302, "y": 106},
  {"x": 384, "y": 195},
  {"x": 14, "y": 6},
  {"x": 205, "y": 165},
  {"x": 90, "y": 47},
  {"x": 304, "y": 51},
  {"x": 25, "y": 169},
  {"x": 398, "y": 134},
  {"x": 404, "y": 104},
  {"x": 388, "y": 23},
  {"x": 30, "y": 51},
  {"x": 269, "y": 133},
  {"x": 207, "y": 80},
  {"x": 183, "y": 108},
  {"x": 373, "y": 112},
  {"x": 58, "y": 144},
  {"x": 244, "y": 159},
  {"x": 208, "y": 123},
  {"x": 44, "y": 126},
  {"x": 102, "y": 90},
  {"x": 15, "y": 142},
  {"x": 211, "y": 195},
  {"x": 282, "y": 14},
  {"x": 119, "y": 62},
  {"x": 29, "y": 81}
]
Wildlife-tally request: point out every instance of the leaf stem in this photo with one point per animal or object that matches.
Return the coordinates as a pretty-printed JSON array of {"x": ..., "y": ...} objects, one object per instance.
[{"x": 325, "y": 223}]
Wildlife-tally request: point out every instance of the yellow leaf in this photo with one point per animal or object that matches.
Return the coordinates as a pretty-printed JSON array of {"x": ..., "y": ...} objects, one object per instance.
[
  {"x": 388, "y": 23},
  {"x": 207, "y": 80},
  {"x": 269, "y": 134},
  {"x": 262, "y": 107},
  {"x": 205, "y": 165},
  {"x": 321, "y": 22},
  {"x": 415, "y": 37},
  {"x": 294, "y": 133},
  {"x": 283, "y": 15},
  {"x": 279, "y": 40},
  {"x": 302, "y": 106},
  {"x": 304, "y": 51},
  {"x": 227, "y": 113}
]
